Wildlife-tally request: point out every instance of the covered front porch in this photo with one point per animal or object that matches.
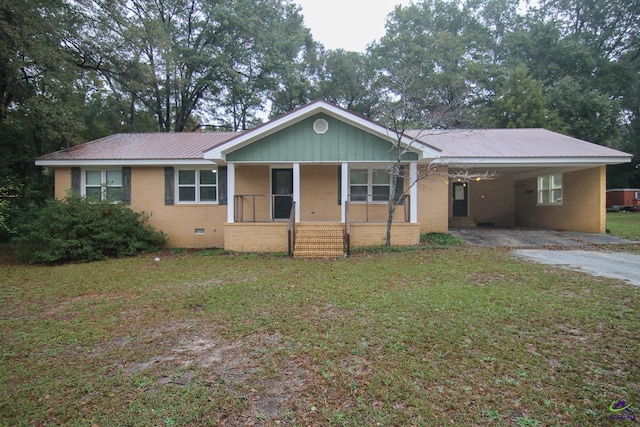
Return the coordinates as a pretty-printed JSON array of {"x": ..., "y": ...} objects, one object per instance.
[{"x": 271, "y": 205}]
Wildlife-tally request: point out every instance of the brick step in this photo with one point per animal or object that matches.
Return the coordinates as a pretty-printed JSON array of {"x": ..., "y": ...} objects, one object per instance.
[
  {"x": 319, "y": 240},
  {"x": 320, "y": 231},
  {"x": 319, "y": 248},
  {"x": 334, "y": 242},
  {"x": 319, "y": 227},
  {"x": 318, "y": 254},
  {"x": 308, "y": 236}
]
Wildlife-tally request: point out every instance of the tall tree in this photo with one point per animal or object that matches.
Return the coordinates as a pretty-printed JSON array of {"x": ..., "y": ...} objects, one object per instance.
[
  {"x": 435, "y": 42},
  {"x": 40, "y": 100},
  {"x": 265, "y": 43},
  {"x": 347, "y": 79},
  {"x": 219, "y": 59},
  {"x": 164, "y": 54},
  {"x": 519, "y": 103}
]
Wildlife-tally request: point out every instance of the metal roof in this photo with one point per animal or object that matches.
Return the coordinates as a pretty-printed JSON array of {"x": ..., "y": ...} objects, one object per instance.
[
  {"x": 144, "y": 146},
  {"x": 498, "y": 146},
  {"x": 512, "y": 143}
]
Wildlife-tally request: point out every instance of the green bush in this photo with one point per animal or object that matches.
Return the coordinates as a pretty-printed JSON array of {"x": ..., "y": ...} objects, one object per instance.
[
  {"x": 78, "y": 229},
  {"x": 440, "y": 239}
]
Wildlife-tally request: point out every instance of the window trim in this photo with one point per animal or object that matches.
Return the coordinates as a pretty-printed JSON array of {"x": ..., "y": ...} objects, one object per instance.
[
  {"x": 104, "y": 184},
  {"x": 197, "y": 186},
  {"x": 370, "y": 196},
  {"x": 553, "y": 186}
]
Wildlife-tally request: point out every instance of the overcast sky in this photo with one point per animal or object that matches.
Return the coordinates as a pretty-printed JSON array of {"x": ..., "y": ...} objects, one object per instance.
[{"x": 347, "y": 24}]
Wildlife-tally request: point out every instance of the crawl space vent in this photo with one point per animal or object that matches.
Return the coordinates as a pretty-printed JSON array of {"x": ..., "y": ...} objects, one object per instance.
[{"x": 320, "y": 126}]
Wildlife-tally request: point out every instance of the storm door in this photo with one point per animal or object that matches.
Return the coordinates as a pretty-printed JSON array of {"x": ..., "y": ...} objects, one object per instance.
[
  {"x": 460, "y": 199},
  {"x": 282, "y": 192}
]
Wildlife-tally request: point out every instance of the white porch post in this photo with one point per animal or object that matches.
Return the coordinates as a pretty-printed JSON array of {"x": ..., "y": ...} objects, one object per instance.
[
  {"x": 344, "y": 191},
  {"x": 413, "y": 192},
  {"x": 296, "y": 189},
  {"x": 231, "y": 192}
]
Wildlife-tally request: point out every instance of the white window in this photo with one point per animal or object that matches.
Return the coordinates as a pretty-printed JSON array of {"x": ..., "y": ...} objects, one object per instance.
[
  {"x": 550, "y": 189},
  {"x": 103, "y": 184},
  {"x": 372, "y": 185},
  {"x": 197, "y": 186}
]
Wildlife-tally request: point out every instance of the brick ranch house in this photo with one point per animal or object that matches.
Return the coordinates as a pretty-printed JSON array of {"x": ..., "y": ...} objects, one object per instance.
[{"x": 303, "y": 180}]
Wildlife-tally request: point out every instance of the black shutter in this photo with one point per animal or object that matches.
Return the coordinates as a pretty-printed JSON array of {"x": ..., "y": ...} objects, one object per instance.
[
  {"x": 339, "y": 185},
  {"x": 400, "y": 186},
  {"x": 126, "y": 185},
  {"x": 75, "y": 180},
  {"x": 222, "y": 185},
  {"x": 169, "y": 187}
]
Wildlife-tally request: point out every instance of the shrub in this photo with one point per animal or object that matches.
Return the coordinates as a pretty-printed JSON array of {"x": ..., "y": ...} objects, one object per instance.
[
  {"x": 79, "y": 229},
  {"x": 440, "y": 239}
]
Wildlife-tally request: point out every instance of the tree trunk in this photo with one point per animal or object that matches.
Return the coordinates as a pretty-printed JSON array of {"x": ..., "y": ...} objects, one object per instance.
[{"x": 392, "y": 202}]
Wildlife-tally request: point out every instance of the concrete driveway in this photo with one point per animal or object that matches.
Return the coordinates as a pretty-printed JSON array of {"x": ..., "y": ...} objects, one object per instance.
[
  {"x": 520, "y": 238},
  {"x": 617, "y": 265}
]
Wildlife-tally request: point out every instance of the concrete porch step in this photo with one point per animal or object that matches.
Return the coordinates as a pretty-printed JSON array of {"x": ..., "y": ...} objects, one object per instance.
[{"x": 319, "y": 240}]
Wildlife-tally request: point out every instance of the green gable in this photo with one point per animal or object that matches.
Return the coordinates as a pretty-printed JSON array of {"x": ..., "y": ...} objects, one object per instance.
[{"x": 300, "y": 143}]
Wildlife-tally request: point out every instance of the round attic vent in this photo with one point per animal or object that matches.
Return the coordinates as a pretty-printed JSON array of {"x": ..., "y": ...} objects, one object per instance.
[{"x": 320, "y": 126}]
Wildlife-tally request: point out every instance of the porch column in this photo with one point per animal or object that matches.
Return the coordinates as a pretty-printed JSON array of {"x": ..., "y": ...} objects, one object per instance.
[
  {"x": 296, "y": 189},
  {"x": 231, "y": 192},
  {"x": 344, "y": 191},
  {"x": 413, "y": 192}
]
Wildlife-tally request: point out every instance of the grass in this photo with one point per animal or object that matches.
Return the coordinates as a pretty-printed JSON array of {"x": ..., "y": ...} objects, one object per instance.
[
  {"x": 460, "y": 336},
  {"x": 624, "y": 224}
]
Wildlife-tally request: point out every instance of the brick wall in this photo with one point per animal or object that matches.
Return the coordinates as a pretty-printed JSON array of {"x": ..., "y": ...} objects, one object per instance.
[
  {"x": 178, "y": 221},
  {"x": 256, "y": 237},
  {"x": 492, "y": 201},
  {"x": 433, "y": 201},
  {"x": 583, "y": 203},
  {"x": 373, "y": 234},
  {"x": 187, "y": 225},
  {"x": 319, "y": 193}
]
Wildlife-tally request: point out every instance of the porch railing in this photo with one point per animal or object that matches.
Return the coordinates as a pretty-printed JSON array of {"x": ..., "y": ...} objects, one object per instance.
[
  {"x": 253, "y": 212},
  {"x": 367, "y": 200},
  {"x": 254, "y": 207}
]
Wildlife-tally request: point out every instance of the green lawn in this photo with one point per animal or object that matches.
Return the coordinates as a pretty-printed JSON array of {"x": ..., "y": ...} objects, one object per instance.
[
  {"x": 461, "y": 336},
  {"x": 624, "y": 224}
]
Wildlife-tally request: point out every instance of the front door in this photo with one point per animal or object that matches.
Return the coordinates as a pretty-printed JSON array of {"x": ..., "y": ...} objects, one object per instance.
[
  {"x": 460, "y": 199},
  {"x": 282, "y": 191}
]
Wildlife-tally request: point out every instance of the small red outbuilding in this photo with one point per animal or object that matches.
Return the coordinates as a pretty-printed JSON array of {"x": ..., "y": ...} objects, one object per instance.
[{"x": 623, "y": 199}]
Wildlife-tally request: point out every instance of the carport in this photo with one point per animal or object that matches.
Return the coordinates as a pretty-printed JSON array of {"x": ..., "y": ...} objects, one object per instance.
[
  {"x": 536, "y": 179},
  {"x": 514, "y": 197}
]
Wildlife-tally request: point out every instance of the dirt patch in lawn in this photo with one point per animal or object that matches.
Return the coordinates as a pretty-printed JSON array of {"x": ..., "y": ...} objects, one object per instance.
[{"x": 188, "y": 354}]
